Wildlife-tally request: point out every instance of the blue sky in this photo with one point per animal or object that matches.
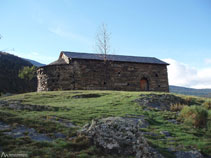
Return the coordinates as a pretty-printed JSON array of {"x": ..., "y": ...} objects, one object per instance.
[{"x": 176, "y": 31}]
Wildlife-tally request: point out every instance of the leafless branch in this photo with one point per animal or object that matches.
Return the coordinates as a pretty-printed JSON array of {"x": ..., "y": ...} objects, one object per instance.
[{"x": 103, "y": 42}]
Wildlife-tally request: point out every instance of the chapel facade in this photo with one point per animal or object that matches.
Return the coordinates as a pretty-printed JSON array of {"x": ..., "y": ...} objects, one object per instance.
[{"x": 87, "y": 71}]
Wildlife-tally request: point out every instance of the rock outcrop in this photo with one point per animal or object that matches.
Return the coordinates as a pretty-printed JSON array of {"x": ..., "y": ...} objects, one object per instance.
[
  {"x": 117, "y": 135},
  {"x": 188, "y": 154},
  {"x": 23, "y": 131},
  {"x": 17, "y": 105},
  {"x": 159, "y": 101}
]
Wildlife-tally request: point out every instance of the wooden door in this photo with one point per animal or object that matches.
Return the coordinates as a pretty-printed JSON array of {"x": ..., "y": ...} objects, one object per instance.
[{"x": 144, "y": 84}]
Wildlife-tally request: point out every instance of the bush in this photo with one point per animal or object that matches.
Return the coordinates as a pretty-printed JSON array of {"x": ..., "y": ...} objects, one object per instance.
[
  {"x": 207, "y": 104},
  {"x": 27, "y": 73},
  {"x": 190, "y": 100},
  {"x": 209, "y": 125},
  {"x": 194, "y": 115},
  {"x": 176, "y": 107}
]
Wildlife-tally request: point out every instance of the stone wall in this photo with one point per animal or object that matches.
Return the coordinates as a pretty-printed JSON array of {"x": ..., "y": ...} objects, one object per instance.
[{"x": 98, "y": 75}]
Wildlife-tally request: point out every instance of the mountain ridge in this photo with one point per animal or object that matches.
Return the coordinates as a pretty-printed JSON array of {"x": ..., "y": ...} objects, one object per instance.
[
  {"x": 190, "y": 91},
  {"x": 35, "y": 63}
]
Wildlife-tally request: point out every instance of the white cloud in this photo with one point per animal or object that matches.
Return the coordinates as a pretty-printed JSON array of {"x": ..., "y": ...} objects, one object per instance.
[
  {"x": 208, "y": 61},
  {"x": 184, "y": 75}
]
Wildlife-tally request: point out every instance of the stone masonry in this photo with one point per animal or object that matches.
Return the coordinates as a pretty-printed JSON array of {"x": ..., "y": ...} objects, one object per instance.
[{"x": 89, "y": 74}]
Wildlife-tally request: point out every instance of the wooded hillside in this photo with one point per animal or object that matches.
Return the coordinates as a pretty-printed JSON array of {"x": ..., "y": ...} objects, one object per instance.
[{"x": 10, "y": 66}]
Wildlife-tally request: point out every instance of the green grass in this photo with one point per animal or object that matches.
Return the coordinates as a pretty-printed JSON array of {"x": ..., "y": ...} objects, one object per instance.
[
  {"x": 109, "y": 104},
  {"x": 82, "y": 110}
]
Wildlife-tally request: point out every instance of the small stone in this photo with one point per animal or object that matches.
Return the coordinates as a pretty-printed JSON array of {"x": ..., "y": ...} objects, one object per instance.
[
  {"x": 188, "y": 154},
  {"x": 166, "y": 133},
  {"x": 173, "y": 121},
  {"x": 112, "y": 146}
]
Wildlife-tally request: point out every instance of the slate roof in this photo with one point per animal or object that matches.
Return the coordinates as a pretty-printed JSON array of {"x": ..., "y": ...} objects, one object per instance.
[
  {"x": 60, "y": 61},
  {"x": 120, "y": 58}
]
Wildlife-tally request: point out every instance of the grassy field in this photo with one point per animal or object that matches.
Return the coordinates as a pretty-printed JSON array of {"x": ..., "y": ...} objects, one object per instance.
[{"x": 80, "y": 107}]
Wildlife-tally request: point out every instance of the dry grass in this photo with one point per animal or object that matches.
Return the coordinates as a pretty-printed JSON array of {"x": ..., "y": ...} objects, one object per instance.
[
  {"x": 177, "y": 107},
  {"x": 207, "y": 104},
  {"x": 194, "y": 115}
]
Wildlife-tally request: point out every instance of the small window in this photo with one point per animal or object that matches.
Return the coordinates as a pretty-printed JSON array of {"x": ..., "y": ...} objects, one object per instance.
[
  {"x": 156, "y": 75},
  {"x": 159, "y": 86},
  {"x": 119, "y": 73},
  {"x": 128, "y": 84},
  {"x": 104, "y": 83},
  {"x": 58, "y": 76}
]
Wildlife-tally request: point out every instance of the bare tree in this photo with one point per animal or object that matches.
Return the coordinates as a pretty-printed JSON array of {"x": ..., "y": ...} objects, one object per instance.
[
  {"x": 103, "y": 42},
  {"x": 103, "y": 49}
]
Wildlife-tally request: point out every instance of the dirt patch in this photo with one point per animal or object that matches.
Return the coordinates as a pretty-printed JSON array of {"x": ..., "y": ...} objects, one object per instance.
[
  {"x": 63, "y": 122},
  {"x": 48, "y": 96},
  {"x": 87, "y": 96}
]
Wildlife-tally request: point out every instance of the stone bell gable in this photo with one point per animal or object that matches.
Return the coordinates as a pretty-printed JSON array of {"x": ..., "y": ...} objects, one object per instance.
[{"x": 86, "y": 71}]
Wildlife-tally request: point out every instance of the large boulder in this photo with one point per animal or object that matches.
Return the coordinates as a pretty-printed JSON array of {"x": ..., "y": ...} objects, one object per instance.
[
  {"x": 159, "y": 101},
  {"x": 119, "y": 135}
]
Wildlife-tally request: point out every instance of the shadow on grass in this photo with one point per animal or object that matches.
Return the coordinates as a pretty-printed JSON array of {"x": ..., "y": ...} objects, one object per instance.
[{"x": 163, "y": 151}]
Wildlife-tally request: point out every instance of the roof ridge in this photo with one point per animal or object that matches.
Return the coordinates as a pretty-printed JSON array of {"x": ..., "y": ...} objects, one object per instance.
[
  {"x": 108, "y": 54},
  {"x": 120, "y": 58}
]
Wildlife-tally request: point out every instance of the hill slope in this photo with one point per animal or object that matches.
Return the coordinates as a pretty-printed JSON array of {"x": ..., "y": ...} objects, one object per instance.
[
  {"x": 9, "y": 69},
  {"x": 59, "y": 114},
  {"x": 35, "y": 63},
  {"x": 190, "y": 91}
]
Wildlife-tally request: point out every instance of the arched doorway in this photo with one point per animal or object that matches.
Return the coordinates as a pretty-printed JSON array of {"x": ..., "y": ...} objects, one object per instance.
[{"x": 144, "y": 84}]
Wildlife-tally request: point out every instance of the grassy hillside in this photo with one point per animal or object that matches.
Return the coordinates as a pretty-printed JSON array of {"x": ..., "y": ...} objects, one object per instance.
[
  {"x": 9, "y": 80},
  {"x": 80, "y": 107}
]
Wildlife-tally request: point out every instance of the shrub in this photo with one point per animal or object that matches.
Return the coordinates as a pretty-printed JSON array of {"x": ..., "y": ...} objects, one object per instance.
[
  {"x": 207, "y": 104},
  {"x": 189, "y": 100},
  {"x": 176, "y": 107},
  {"x": 209, "y": 125},
  {"x": 194, "y": 115},
  {"x": 27, "y": 73}
]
